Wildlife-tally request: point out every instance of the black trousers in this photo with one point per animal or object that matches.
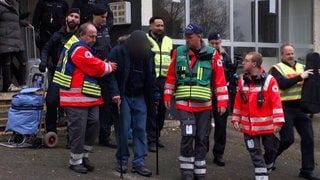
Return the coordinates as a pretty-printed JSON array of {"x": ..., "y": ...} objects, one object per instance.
[
  {"x": 296, "y": 118},
  {"x": 156, "y": 115},
  {"x": 52, "y": 103},
  {"x": 107, "y": 112},
  {"x": 220, "y": 133}
]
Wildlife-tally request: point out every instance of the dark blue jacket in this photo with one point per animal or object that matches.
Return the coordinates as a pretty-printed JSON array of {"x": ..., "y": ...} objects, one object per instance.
[
  {"x": 54, "y": 46},
  {"x": 117, "y": 81}
]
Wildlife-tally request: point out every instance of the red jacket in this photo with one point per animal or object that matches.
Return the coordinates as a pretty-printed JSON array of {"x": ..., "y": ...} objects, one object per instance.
[
  {"x": 254, "y": 120},
  {"x": 218, "y": 85},
  {"x": 85, "y": 64}
]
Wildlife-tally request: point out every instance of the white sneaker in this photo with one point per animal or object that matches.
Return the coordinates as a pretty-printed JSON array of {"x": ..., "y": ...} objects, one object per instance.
[{"x": 13, "y": 88}]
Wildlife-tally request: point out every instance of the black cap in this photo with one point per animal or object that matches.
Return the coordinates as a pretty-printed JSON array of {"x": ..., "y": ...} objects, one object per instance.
[
  {"x": 214, "y": 35},
  {"x": 193, "y": 28},
  {"x": 99, "y": 10},
  {"x": 73, "y": 10}
]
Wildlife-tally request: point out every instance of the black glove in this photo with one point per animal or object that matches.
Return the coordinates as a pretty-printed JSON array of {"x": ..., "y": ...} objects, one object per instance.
[{"x": 42, "y": 66}]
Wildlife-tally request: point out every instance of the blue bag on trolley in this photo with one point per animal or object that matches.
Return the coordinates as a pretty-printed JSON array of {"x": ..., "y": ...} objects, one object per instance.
[{"x": 25, "y": 112}]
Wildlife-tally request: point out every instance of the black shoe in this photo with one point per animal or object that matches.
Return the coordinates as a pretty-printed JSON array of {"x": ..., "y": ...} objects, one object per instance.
[
  {"x": 199, "y": 178},
  {"x": 86, "y": 163},
  {"x": 160, "y": 145},
  {"x": 309, "y": 176},
  {"x": 142, "y": 170},
  {"x": 109, "y": 143},
  {"x": 152, "y": 148},
  {"x": 219, "y": 161},
  {"x": 79, "y": 168},
  {"x": 124, "y": 168}
]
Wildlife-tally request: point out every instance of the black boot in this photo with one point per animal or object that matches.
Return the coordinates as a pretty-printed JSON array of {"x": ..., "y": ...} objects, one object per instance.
[{"x": 6, "y": 75}]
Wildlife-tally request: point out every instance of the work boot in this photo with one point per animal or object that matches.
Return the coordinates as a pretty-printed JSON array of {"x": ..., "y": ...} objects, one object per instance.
[
  {"x": 124, "y": 168},
  {"x": 79, "y": 168},
  {"x": 142, "y": 170},
  {"x": 86, "y": 163}
]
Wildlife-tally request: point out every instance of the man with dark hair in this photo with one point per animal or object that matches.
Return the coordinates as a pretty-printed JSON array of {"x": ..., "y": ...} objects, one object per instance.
[
  {"x": 53, "y": 49},
  {"x": 80, "y": 95},
  {"x": 102, "y": 48},
  {"x": 48, "y": 17},
  {"x": 162, "y": 46},
  {"x": 220, "y": 121},
  {"x": 87, "y": 8}
]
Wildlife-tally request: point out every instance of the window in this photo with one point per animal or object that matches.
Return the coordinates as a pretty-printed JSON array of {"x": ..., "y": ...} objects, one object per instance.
[{"x": 212, "y": 15}]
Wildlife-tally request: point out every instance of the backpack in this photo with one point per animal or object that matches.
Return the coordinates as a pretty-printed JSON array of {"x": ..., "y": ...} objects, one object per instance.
[{"x": 310, "y": 95}]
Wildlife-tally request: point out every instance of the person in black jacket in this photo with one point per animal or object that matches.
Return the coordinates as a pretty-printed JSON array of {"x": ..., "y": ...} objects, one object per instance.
[
  {"x": 48, "y": 17},
  {"x": 102, "y": 48},
  {"x": 132, "y": 83},
  {"x": 11, "y": 42},
  {"x": 87, "y": 8},
  {"x": 52, "y": 49},
  {"x": 220, "y": 121}
]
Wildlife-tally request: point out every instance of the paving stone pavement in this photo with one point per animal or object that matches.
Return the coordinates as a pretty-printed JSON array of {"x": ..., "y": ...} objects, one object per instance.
[{"x": 46, "y": 163}]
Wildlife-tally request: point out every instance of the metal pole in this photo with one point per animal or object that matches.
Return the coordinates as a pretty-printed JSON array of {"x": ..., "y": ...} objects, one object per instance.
[
  {"x": 120, "y": 149},
  {"x": 157, "y": 141}
]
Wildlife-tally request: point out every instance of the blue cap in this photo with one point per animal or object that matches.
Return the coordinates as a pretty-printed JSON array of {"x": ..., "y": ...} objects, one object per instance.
[{"x": 193, "y": 28}]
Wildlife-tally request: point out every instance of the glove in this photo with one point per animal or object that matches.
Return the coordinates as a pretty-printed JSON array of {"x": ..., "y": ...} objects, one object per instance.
[
  {"x": 306, "y": 73},
  {"x": 42, "y": 66}
]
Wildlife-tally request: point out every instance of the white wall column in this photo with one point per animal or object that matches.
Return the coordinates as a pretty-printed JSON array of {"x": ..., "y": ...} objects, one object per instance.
[
  {"x": 316, "y": 25},
  {"x": 146, "y": 12}
]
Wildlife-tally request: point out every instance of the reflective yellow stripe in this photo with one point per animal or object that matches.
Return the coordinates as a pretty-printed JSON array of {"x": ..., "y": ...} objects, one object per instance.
[
  {"x": 294, "y": 92},
  {"x": 164, "y": 58}
]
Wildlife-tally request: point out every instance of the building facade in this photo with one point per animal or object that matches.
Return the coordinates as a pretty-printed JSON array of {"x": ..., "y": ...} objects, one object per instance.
[{"x": 246, "y": 25}]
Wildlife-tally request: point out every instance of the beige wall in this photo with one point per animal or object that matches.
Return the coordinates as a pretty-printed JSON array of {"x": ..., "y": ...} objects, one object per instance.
[{"x": 316, "y": 25}]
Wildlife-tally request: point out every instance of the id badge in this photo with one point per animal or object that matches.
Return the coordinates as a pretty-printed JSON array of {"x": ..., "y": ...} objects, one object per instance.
[
  {"x": 250, "y": 143},
  {"x": 188, "y": 128}
]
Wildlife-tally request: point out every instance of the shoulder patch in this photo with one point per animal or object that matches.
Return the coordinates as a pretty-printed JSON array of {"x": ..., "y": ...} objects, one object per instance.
[
  {"x": 88, "y": 54},
  {"x": 219, "y": 63},
  {"x": 275, "y": 88}
]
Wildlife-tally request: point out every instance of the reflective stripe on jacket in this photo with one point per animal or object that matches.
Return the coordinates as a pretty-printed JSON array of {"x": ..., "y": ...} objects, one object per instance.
[
  {"x": 76, "y": 74},
  {"x": 254, "y": 119},
  {"x": 294, "y": 92},
  {"x": 64, "y": 72},
  {"x": 162, "y": 57},
  {"x": 218, "y": 83},
  {"x": 193, "y": 83}
]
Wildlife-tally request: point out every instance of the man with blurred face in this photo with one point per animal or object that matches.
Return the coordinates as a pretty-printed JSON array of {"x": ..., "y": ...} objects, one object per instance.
[
  {"x": 53, "y": 49},
  {"x": 102, "y": 48},
  {"x": 162, "y": 46}
]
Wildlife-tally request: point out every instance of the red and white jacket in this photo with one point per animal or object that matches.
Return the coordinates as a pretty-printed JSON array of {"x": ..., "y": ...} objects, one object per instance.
[
  {"x": 85, "y": 64},
  {"x": 218, "y": 85},
  {"x": 254, "y": 120}
]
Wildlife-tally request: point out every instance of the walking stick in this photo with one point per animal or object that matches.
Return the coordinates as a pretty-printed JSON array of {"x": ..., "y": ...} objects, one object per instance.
[
  {"x": 120, "y": 149},
  {"x": 157, "y": 141}
]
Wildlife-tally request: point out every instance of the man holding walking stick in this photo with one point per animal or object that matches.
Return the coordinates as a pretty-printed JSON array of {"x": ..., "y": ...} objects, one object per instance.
[{"x": 133, "y": 83}]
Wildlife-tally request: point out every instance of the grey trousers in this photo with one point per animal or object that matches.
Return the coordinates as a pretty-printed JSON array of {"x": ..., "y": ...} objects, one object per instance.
[{"x": 83, "y": 129}]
